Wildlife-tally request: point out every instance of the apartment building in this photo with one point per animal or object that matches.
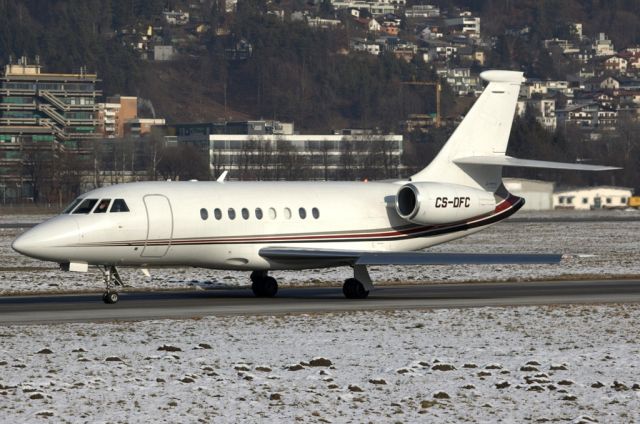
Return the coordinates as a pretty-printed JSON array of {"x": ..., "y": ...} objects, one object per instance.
[{"x": 41, "y": 114}]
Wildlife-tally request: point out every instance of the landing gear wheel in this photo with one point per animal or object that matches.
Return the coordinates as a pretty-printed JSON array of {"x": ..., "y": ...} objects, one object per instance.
[
  {"x": 110, "y": 297},
  {"x": 264, "y": 287},
  {"x": 354, "y": 289},
  {"x": 111, "y": 279}
]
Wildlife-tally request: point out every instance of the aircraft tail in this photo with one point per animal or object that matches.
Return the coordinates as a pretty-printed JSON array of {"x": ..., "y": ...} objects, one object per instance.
[
  {"x": 476, "y": 152},
  {"x": 483, "y": 132}
]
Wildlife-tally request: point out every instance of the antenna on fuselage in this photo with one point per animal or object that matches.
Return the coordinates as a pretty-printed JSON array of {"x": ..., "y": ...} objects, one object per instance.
[{"x": 222, "y": 176}]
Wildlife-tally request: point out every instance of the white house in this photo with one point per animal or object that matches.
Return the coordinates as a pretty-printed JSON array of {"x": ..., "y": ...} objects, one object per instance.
[
  {"x": 602, "y": 46},
  {"x": 374, "y": 25},
  {"x": 616, "y": 64},
  {"x": 602, "y": 197},
  {"x": 176, "y": 17}
]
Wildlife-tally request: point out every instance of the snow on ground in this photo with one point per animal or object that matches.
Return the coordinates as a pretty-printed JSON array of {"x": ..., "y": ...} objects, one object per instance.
[
  {"x": 539, "y": 364},
  {"x": 468, "y": 365},
  {"x": 597, "y": 249}
]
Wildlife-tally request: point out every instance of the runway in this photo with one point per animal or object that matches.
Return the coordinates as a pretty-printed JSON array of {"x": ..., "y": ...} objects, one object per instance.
[{"x": 224, "y": 302}]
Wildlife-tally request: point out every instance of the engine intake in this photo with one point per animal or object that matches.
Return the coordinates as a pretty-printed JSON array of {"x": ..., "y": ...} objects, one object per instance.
[{"x": 437, "y": 203}]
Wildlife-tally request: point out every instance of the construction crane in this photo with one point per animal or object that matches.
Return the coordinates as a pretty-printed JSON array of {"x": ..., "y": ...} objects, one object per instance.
[{"x": 438, "y": 87}]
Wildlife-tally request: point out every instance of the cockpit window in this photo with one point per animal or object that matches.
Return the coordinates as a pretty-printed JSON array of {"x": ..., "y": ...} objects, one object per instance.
[
  {"x": 119, "y": 205},
  {"x": 72, "y": 205},
  {"x": 86, "y": 206},
  {"x": 103, "y": 205}
]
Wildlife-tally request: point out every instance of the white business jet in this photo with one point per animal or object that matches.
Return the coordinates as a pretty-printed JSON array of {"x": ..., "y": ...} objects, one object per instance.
[{"x": 264, "y": 226}]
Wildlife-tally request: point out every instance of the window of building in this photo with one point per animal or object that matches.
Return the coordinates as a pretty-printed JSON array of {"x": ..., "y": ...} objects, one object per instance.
[
  {"x": 217, "y": 213},
  {"x": 103, "y": 206},
  {"x": 119, "y": 205},
  {"x": 608, "y": 200},
  {"x": 245, "y": 213},
  {"x": 232, "y": 213},
  {"x": 623, "y": 200},
  {"x": 272, "y": 213},
  {"x": 569, "y": 200},
  {"x": 86, "y": 206},
  {"x": 315, "y": 212},
  {"x": 204, "y": 214},
  {"x": 561, "y": 199},
  {"x": 258, "y": 213},
  {"x": 302, "y": 212},
  {"x": 287, "y": 213},
  {"x": 585, "y": 200}
]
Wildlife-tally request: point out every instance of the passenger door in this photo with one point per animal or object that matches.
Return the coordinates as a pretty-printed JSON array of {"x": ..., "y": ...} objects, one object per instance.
[{"x": 159, "y": 226}]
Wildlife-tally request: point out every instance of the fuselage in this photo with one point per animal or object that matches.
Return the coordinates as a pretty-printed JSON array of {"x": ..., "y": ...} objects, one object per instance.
[{"x": 223, "y": 225}]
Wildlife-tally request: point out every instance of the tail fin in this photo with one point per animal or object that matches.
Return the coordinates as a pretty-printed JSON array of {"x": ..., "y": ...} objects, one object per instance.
[{"x": 483, "y": 132}]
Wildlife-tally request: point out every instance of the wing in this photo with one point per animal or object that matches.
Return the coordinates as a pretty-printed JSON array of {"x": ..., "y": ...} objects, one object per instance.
[{"x": 361, "y": 257}]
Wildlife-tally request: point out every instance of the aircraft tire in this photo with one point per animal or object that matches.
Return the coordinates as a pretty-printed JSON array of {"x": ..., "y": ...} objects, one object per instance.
[
  {"x": 110, "y": 297},
  {"x": 265, "y": 287},
  {"x": 354, "y": 289}
]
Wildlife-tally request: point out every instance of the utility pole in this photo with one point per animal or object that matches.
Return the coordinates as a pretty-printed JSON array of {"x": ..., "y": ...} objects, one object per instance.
[{"x": 438, "y": 87}]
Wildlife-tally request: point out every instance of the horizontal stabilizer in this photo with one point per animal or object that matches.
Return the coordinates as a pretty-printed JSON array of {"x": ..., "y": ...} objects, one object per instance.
[
  {"x": 357, "y": 257},
  {"x": 528, "y": 163}
]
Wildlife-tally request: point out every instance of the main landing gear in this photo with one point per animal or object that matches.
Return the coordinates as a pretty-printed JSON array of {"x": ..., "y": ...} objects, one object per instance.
[
  {"x": 357, "y": 287},
  {"x": 112, "y": 281},
  {"x": 263, "y": 285},
  {"x": 360, "y": 285}
]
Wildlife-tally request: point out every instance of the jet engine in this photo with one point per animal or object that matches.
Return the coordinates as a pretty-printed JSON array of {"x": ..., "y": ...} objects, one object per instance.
[{"x": 427, "y": 203}]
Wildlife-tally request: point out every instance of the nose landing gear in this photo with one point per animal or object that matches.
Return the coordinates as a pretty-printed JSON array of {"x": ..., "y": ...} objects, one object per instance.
[{"x": 112, "y": 282}]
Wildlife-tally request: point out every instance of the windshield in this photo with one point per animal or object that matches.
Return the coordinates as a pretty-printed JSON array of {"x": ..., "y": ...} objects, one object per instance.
[
  {"x": 102, "y": 206},
  {"x": 86, "y": 206},
  {"x": 119, "y": 205},
  {"x": 72, "y": 205}
]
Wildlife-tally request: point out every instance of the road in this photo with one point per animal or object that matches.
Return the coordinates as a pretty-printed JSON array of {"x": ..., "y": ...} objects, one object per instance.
[{"x": 225, "y": 302}]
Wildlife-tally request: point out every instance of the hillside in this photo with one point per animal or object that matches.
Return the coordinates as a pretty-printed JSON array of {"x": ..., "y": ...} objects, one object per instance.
[{"x": 180, "y": 93}]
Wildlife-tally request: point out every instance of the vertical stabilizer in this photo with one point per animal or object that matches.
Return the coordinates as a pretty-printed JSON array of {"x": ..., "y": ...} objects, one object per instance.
[{"x": 483, "y": 132}]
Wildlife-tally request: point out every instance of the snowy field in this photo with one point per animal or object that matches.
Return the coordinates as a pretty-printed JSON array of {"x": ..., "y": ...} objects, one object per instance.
[
  {"x": 487, "y": 365},
  {"x": 594, "y": 249},
  {"x": 575, "y": 364}
]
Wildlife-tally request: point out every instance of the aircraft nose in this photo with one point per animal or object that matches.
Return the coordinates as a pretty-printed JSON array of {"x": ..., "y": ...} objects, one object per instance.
[{"x": 37, "y": 241}]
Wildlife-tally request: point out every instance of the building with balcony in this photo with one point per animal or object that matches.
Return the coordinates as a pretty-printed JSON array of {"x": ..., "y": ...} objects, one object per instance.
[
  {"x": 115, "y": 113},
  {"x": 60, "y": 105},
  {"x": 41, "y": 114}
]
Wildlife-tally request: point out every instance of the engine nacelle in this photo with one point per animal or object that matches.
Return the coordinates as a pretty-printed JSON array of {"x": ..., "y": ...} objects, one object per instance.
[{"x": 436, "y": 203}]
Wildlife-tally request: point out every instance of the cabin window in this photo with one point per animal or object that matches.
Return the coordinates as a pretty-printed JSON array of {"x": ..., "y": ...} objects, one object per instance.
[
  {"x": 272, "y": 213},
  {"x": 315, "y": 212},
  {"x": 217, "y": 213},
  {"x": 86, "y": 206},
  {"x": 623, "y": 200},
  {"x": 245, "y": 213},
  {"x": 119, "y": 205},
  {"x": 302, "y": 212},
  {"x": 258, "y": 213},
  {"x": 103, "y": 206},
  {"x": 585, "y": 200},
  {"x": 204, "y": 214},
  {"x": 608, "y": 200},
  {"x": 72, "y": 206},
  {"x": 232, "y": 213},
  {"x": 287, "y": 213}
]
